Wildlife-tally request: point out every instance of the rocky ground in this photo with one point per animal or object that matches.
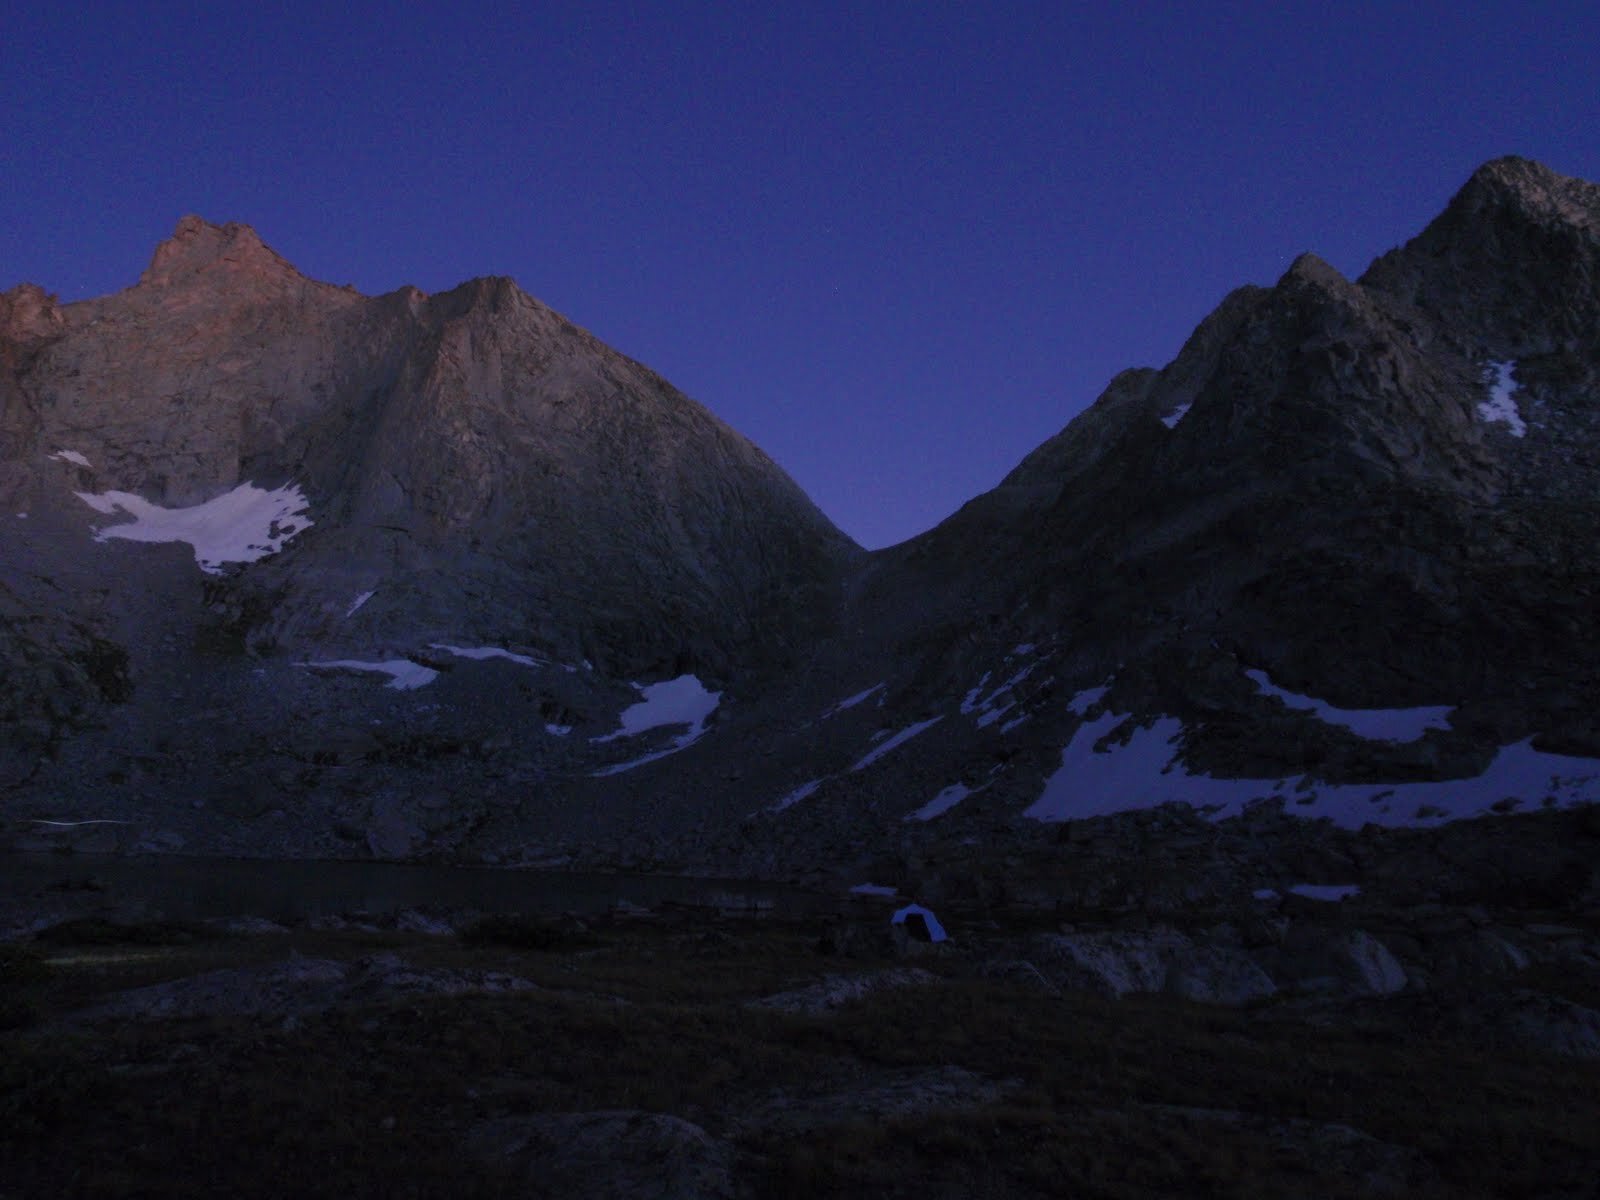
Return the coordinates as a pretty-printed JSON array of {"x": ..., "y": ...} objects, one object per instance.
[{"x": 1136, "y": 1006}]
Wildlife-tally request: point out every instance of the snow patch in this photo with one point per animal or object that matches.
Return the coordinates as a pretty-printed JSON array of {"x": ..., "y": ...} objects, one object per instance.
[
  {"x": 680, "y": 701},
  {"x": 947, "y": 799},
  {"x": 404, "y": 675},
  {"x": 558, "y": 730},
  {"x": 852, "y": 701},
  {"x": 1329, "y": 892},
  {"x": 873, "y": 889},
  {"x": 990, "y": 716},
  {"x": 682, "y": 743},
  {"x": 1145, "y": 771},
  {"x": 1135, "y": 775},
  {"x": 800, "y": 793},
  {"x": 356, "y": 604},
  {"x": 1501, "y": 406},
  {"x": 970, "y": 700},
  {"x": 1374, "y": 724},
  {"x": 1172, "y": 418},
  {"x": 899, "y": 739},
  {"x": 71, "y": 456},
  {"x": 991, "y": 708},
  {"x": 1080, "y": 704},
  {"x": 484, "y": 652},
  {"x": 243, "y": 525}
]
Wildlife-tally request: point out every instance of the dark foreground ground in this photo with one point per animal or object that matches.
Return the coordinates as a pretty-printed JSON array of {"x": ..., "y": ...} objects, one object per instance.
[{"x": 691, "y": 1053}]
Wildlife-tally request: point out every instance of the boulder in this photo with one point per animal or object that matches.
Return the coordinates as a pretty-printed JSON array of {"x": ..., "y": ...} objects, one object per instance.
[
  {"x": 1217, "y": 975},
  {"x": 835, "y": 991},
  {"x": 412, "y": 920},
  {"x": 1118, "y": 962},
  {"x": 1342, "y": 962},
  {"x": 1551, "y": 1025},
  {"x": 618, "y": 1154},
  {"x": 1111, "y": 962},
  {"x": 1473, "y": 955},
  {"x": 392, "y": 832},
  {"x": 883, "y": 1095},
  {"x": 296, "y": 986}
]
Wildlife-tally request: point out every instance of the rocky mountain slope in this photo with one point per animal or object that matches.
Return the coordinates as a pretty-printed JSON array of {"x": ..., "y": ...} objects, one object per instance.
[
  {"x": 466, "y": 469},
  {"x": 1337, "y": 558}
]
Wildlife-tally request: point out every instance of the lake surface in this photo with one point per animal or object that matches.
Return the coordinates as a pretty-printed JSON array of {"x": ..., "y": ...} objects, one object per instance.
[{"x": 178, "y": 888}]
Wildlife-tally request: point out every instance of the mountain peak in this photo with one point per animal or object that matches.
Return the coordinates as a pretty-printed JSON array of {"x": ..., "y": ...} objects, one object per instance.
[
  {"x": 197, "y": 246},
  {"x": 1518, "y": 239},
  {"x": 1531, "y": 188},
  {"x": 1512, "y": 169},
  {"x": 1308, "y": 268},
  {"x": 1512, "y": 172}
]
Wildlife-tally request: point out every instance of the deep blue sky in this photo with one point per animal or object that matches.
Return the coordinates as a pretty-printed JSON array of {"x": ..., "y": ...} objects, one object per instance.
[{"x": 896, "y": 244}]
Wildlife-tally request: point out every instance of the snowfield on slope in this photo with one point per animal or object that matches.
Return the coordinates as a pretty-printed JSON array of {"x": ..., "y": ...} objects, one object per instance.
[
  {"x": 852, "y": 701},
  {"x": 404, "y": 675},
  {"x": 482, "y": 653},
  {"x": 899, "y": 739},
  {"x": 239, "y": 526},
  {"x": 1146, "y": 770},
  {"x": 942, "y": 803},
  {"x": 680, "y": 701},
  {"x": 1004, "y": 697},
  {"x": 1501, "y": 406},
  {"x": 794, "y": 797},
  {"x": 1374, "y": 724}
]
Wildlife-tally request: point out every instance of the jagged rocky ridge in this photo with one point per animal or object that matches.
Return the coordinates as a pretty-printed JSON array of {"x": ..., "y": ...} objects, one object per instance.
[{"x": 1380, "y": 493}]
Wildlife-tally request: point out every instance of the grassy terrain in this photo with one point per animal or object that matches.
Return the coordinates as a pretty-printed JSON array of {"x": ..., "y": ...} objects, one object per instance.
[{"x": 1099, "y": 1098}]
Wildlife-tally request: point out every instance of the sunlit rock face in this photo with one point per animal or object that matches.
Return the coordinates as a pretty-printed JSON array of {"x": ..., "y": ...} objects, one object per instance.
[
  {"x": 470, "y": 467},
  {"x": 482, "y": 466},
  {"x": 295, "y": 570}
]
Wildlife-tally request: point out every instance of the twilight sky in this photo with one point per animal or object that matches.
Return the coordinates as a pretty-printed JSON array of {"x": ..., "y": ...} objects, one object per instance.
[{"x": 896, "y": 244}]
